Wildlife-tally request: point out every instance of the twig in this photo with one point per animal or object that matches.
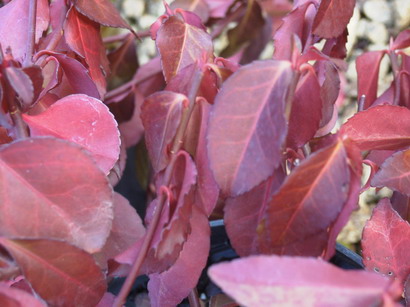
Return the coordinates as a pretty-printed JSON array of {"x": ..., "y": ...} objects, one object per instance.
[{"x": 31, "y": 35}]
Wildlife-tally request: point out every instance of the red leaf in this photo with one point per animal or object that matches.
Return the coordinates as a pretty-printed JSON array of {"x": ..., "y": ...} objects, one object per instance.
[
  {"x": 367, "y": 67},
  {"x": 386, "y": 242},
  {"x": 297, "y": 281},
  {"x": 91, "y": 126},
  {"x": 306, "y": 111},
  {"x": 14, "y": 25},
  {"x": 161, "y": 114},
  {"x": 383, "y": 127},
  {"x": 83, "y": 36},
  {"x": 332, "y": 17},
  {"x": 395, "y": 173},
  {"x": 10, "y": 297},
  {"x": 181, "y": 44},
  {"x": 330, "y": 88},
  {"x": 61, "y": 274},
  {"x": 401, "y": 203},
  {"x": 199, "y": 7},
  {"x": 309, "y": 201},
  {"x": 67, "y": 196},
  {"x": 21, "y": 83},
  {"x": 102, "y": 11},
  {"x": 247, "y": 126},
  {"x": 169, "y": 288},
  {"x": 402, "y": 40},
  {"x": 218, "y": 8}
]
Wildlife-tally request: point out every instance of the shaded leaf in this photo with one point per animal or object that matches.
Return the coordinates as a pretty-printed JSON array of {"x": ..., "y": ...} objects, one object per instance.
[
  {"x": 219, "y": 8},
  {"x": 169, "y": 288},
  {"x": 247, "y": 126},
  {"x": 332, "y": 17},
  {"x": 36, "y": 76},
  {"x": 10, "y": 297},
  {"x": 383, "y": 127},
  {"x": 61, "y": 274},
  {"x": 401, "y": 204},
  {"x": 67, "y": 195},
  {"x": 14, "y": 15},
  {"x": 309, "y": 201},
  {"x": 180, "y": 44},
  {"x": 21, "y": 83},
  {"x": 264, "y": 281},
  {"x": 329, "y": 80},
  {"x": 386, "y": 243},
  {"x": 199, "y": 7},
  {"x": 91, "y": 126},
  {"x": 161, "y": 114}
]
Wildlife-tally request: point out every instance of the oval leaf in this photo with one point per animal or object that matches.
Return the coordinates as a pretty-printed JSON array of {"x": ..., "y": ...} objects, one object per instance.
[
  {"x": 265, "y": 281},
  {"x": 91, "y": 126},
  {"x": 61, "y": 274},
  {"x": 247, "y": 126},
  {"x": 381, "y": 127},
  {"x": 52, "y": 189}
]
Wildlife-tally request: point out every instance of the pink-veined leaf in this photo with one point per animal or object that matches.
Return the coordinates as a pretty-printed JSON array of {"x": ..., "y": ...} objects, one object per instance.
[
  {"x": 169, "y": 288},
  {"x": 161, "y": 114},
  {"x": 60, "y": 273},
  {"x": 83, "y": 37},
  {"x": 243, "y": 213},
  {"x": 53, "y": 189},
  {"x": 14, "y": 25},
  {"x": 102, "y": 11},
  {"x": 395, "y": 173},
  {"x": 307, "y": 204},
  {"x": 22, "y": 85},
  {"x": 297, "y": 281},
  {"x": 181, "y": 44},
  {"x": 11, "y": 297},
  {"x": 332, "y": 17},
  {"x": 91, "y": 126},
  {"x": 386, "y": 243},
  {"x": 383, "y": 127},
  {"x": 247, "y": 125},
  {"x": 367, "y": 67}
]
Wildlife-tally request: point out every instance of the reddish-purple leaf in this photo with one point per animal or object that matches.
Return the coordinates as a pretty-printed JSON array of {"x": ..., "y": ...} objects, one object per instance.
[
  {"x": 11, "y": 297},
  {"x": 102, "y": 11},
  {"x": 402, "y": 40},
  {"x": 60, "y": 273},
  {"x": 83, "y": 36},
  {"x": 199, "y": 7},
  {"x": 367, "y": 67},
  {"x": 107, "y": 300},
  {"x": 332, "y": 17},
  {"x": 169, "y": 288},
  {"x": 36, "y": 76},
  {"x": 181, "y": 44},
  {"x": 306, "y": 111},
  {"x": 401, "y": 203},
  {"x": 247, "y": 126},
  {"x": 329, "y": 80},
  {"x": 383, "y": 127},
  {"x": 309, "y": 201},
  {"x": 218, "y": 8},
  {"x": 386, "y": 242},
  {"x": 395, "y": 173},
  {"x": 243, "y": 213},
  {"x": 52, "y": 189},
  {"x": 91, "y": 126},
  {"x": 22, "y": 85},
  {"x": 297, "y": 281},
  {"x": 161, "y": 114},
  {"x": 407, "y": 291},
  {"x": 14, "y": 25}
]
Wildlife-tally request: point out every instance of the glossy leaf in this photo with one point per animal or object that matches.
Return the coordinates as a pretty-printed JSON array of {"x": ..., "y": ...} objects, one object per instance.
[
  {"x": 161, "y": 114},
  {"x": 395, "y": 173},
  {"x": 91, "y": 126},
  {"x": 11, "y": 297},
  {"x": 264, "y": 281},
  {"x": 169, "y": 288},
  {"x": 14, "y": 16},
  {"x": 332, "y": 17},
  {"x": 381, "y": 127},
  {"x": 60, "y": 273},
  {"x": 67, "y": 195},
  {"x": 308, "y": 202},
  {"x": 247, "y": 126},
  {"x": 386, "y": 243},
  {"x": 83, "y": 36},
  {"x": 180, "y": 44}
]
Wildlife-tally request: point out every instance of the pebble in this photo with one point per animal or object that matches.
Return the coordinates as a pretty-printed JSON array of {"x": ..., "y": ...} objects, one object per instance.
[
  {"x": 133, "y": 8},
  {"x": 377, "y": 33},
  {"x": 379, "y": 11},
  {"x": 402, "y": 13}
]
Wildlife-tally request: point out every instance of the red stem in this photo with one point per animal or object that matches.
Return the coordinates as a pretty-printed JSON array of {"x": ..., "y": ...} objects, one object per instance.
[
  {"x": 31, "y": 35},
  {"x": 193, "y": 298},
  {"x": 396, "y": 75},
  {"x": 177, "y": 144}
]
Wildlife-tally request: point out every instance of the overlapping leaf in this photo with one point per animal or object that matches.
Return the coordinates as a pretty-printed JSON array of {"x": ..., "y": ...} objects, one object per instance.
[
  {"x": 60, "y": 273},
  {"x": 386, "y": 243},
  {"x": 265, "y": 281},
  {"x": 247, "y": 126},
  {"x": 52, "y": 189},
  {"x": 308, "y": 202},
  {"x": 10, "y": 297},
  {"x": 91, "y": 126}
]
